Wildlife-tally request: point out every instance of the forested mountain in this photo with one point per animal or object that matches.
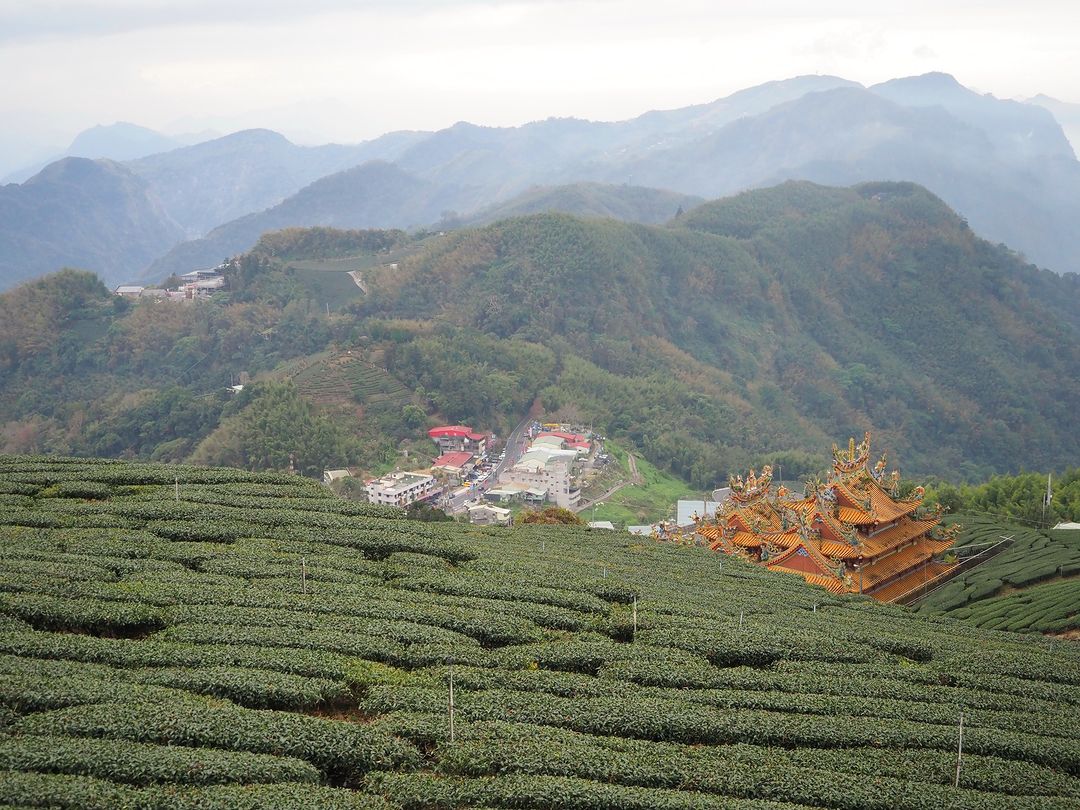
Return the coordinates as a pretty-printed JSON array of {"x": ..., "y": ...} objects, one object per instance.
[
  {"x": 761, "y": 327},
  {"x": 775, "y": 319},
  {"x": 626, "y": 203},
  {"x": 93, "y": 214}
]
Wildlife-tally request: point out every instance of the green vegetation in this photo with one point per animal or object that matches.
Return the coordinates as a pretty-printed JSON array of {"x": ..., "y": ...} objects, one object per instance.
[
  {"x": 1017, "y": 497},
  {"x": 1031, "y": 586},
  {"x": 651, "y": 500},
  {"x": 258, "y": 642},
  {"x": 756, "y": 328}
]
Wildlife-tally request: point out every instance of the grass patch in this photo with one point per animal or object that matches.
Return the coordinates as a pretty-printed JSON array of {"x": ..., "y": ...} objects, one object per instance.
[{"x": 648, "y": 502}]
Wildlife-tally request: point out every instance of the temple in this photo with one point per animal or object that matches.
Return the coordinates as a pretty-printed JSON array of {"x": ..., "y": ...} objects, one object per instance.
[{"x": 850, "y": 534}]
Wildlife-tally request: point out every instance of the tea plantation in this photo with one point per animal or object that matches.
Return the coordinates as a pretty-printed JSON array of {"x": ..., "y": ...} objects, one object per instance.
[
  {"x": 239, "y": 640},
  {"x": 1033, "y": 585}
]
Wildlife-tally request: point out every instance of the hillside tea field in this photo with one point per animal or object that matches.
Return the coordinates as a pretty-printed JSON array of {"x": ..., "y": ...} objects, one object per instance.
[
  {"x": 1033, "y": 585},
  {"x": 178, "y": 637}
]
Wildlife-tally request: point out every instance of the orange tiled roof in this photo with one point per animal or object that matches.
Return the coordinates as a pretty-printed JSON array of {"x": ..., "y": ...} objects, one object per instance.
[
  {"x": 910, "y": 581},
  {"x": 854, "y": 516},
  {"x": 886, "y": 567},
  {"x": 896, "y": 535},
  {"x": 831, "y": 584}
]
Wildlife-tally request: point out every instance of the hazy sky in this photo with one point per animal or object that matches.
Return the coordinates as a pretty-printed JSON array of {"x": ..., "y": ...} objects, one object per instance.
[{"x": 347, "y": 70}]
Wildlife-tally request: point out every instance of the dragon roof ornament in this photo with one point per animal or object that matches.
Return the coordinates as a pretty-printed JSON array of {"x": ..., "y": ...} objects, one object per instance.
[
  {"x": 854, "y": 458},
  {"x": 752, "y": 488}
]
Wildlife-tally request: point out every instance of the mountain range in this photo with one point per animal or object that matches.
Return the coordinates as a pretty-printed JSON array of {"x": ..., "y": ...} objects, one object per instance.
[
  {"x": 758, "y": 327},
  {"x": 1006, "y": 166}
]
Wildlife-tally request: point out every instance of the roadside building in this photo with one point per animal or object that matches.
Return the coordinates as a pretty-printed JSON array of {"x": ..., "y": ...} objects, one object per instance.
[
  {"x": 455, "y": 465},
  {"x": 128, "y": 291},
  {"x": 459, "y": 439},
  {"x": 484, "y": 514},
  {"x": 401, "y": 488},
  {"x": 547, "y": 469}
]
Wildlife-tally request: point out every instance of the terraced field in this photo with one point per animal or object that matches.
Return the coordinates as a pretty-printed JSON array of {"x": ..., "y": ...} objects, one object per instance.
[
  {"x": 339, "y": 378},
  {"x": 1034, "y": 585},
  {"x": 178, "y": 637}
]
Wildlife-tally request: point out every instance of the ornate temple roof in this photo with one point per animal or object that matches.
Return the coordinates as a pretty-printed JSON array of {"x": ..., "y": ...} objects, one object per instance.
[{"x": 852, "y": 532}]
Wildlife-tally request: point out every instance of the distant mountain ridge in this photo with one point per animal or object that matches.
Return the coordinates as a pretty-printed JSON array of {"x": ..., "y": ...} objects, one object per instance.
[
  {"x": 1005, "y": 166},
  {"x": 74, "y": 213}
]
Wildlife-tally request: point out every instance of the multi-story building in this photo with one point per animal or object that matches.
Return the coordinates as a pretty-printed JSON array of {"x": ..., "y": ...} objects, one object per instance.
[
  {"x": 401, "y": 488},
  {"x": 459, "y": 439},
  {"x": 547, "y": 469}
]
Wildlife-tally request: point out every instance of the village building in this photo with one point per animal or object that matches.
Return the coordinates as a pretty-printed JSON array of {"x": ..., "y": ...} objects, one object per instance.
[
  {"x": 459, "y": 439},
  {"x": 548, "y": 469},
  {"x": 574, "y": 441},
  {"x": 330, "y": 476},
  {"x": 128, "y": 291},
  {"x": 401, "y": 488},
  {"x": 484, "y": 514},
  {"x": 853, "y": 533},
  {"x": 455, "y": 465}
]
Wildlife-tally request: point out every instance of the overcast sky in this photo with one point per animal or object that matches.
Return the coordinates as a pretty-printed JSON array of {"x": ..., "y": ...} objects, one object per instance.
[{"x": 348, "y": 70}]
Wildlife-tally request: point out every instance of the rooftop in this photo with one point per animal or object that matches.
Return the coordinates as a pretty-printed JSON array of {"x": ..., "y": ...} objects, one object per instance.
[
  {"x": 400, "y": 481},
  {"x": 454, "y": 460},
  {"x": 456, "y": 431}
]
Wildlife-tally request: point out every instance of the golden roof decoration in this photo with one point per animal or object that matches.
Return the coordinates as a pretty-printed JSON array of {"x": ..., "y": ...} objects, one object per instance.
[
  {"x": 753, "y": 488},
  {"x": 854, "y": 458}
]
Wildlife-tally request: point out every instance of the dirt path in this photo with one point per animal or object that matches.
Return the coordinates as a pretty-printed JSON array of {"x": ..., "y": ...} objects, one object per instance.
[{"x": 635, "y": 478}]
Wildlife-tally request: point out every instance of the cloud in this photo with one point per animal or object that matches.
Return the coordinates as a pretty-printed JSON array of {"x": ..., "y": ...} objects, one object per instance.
[{"x": 20, "y": 20}]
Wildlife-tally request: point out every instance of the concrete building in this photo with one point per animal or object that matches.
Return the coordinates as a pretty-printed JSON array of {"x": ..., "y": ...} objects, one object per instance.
[
  {"x": 459, "y": 439},
  {"x": 687, "y": 510},
  {"x": 330, "y": 476},
  {"x": 547, "y": 469},
  {"x": 401, "y": 488},
  {"x": 484, "y": 514}
]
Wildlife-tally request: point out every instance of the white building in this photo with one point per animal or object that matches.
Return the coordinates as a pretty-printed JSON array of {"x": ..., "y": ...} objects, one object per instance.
[
  {"x": 328, "y": 476},
  {"x": 547, "y": 469},
  {"x": 401, "y": 488}
]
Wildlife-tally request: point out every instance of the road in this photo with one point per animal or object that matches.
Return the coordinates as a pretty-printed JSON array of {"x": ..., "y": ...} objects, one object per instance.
[{"x": 515, "y": 447}]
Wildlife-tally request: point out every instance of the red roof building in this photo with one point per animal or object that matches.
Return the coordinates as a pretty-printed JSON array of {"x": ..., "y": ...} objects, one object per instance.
[
  {"x": 459, "y": 439},
  {"x": 453, "y": 461}
]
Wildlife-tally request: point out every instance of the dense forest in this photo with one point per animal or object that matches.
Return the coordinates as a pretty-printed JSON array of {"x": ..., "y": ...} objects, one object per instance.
[{"x": 757, "y": 328}]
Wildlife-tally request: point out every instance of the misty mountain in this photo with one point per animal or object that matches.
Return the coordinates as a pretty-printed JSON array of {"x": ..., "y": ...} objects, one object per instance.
[
  {"x": 626, "y": 203},
  {"x": 1006, "y": 166},
  {"x": 94, "y": 215},
  {"x": 208, "y": 184},
  {"x": 1023, "y": 192},
  {"x": 1068, "y": 115},
  {"x": 120, "y": 141},
  {"x": 374, "y": 195},
  {"x": 1018, "y": 131}
]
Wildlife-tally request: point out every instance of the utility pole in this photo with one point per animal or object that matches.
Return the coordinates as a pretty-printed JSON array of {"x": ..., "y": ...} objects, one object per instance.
[
  {"x": 959, "y": 750},
  {"x": 451, "y": 706}
]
